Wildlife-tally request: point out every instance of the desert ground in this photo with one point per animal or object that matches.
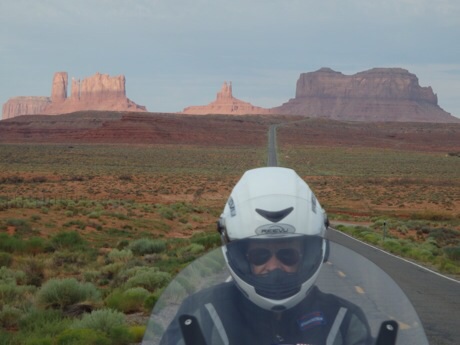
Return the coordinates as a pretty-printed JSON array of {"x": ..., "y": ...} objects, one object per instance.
[{"x": 117, "y": 178}]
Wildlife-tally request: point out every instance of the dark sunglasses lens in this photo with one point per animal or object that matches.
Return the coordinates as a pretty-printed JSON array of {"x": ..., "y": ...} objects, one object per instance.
[
  {"x": 259, "y": 256},
  {"x": 288, "y": 256}
]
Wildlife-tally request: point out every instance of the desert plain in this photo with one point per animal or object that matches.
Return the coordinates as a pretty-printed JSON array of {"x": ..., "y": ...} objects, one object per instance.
[{"x": 80, "y": 194}]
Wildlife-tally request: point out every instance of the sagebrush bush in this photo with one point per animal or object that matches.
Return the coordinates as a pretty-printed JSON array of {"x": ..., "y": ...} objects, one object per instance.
[
  {"x": 8, "y": 275},
  {"x": 150, "y": 279},
  {"x": 43, "y": 322},
  {"x": 62, "y": 293},
  {"x": 147, "y": 246},
  {"x": 6, "y": 259},
  {"x": 68, "y": 240},
  {"x": 127, "y": 301},
  {"x": 104, "y": 320},
  {"x": 9, "y": 317},
  {"x": 123, "y": 255},
  {"x": 83, "y": 337},
  {"x": 10, "y": 244}
]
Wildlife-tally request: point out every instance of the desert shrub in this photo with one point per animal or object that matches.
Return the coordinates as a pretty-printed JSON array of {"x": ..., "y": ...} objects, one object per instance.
[
  {"x": 72, "y": 257},
  {"x": 22, "y": 226},
  {"x": 62, "y": 293},
  {"x": 77, "y": 223},
  {"x": 34, "y": 270},
  {"x": 151, "y": 300},
  {"x": 15, "y": 295},
  {"x": 392, "y": 245},
  {"x": 104, "y": 320},
  {"x": 9, "y": 317},
  {"x": 10, "y": 244},
  {"x": 82, "y": 337},
  {"x": 149, "y": 279},
  {"x": 35, "y": 245},
  {"x": 6, "y": 259},
  {"x": 128, "y": 301},
  {"x": 111, "y": 270},
  {"x": 166, "y": 212},
  {"x": 453, "y": 253},
  {"x": 147, "y": 246},
  {"x": 137, "y": 333},
  {"x": 123, "y": 255},
  {"x": 8, "y": 275},
  {"x": 206, "y": 239},
  {"x": 43, "y": 322},
  {"x": 68, "y": 240}
]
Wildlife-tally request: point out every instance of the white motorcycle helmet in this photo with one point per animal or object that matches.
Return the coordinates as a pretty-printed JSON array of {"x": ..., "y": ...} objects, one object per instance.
[{"x": 266, "y": 206}]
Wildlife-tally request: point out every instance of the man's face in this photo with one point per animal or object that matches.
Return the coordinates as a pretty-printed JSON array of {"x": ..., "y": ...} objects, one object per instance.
[{"x": 266, "y": 256}]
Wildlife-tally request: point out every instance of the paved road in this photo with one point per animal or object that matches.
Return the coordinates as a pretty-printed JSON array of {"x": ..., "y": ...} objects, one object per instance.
[
  {"x": 272, "y": 158},
  {"x": 435, "y": 298}
]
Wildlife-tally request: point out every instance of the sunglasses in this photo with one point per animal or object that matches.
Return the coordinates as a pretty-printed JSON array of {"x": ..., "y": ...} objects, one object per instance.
[{"x": 260, "y": 256}]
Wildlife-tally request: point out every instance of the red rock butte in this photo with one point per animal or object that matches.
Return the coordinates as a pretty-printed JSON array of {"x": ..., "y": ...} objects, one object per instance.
[
  {"x": 98, "y": 92},
  {"x": 225, "y": 103}
]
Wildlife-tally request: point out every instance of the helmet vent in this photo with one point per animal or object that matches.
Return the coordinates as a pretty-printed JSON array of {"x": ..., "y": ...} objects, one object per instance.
[{"x": 275, "y": 216}]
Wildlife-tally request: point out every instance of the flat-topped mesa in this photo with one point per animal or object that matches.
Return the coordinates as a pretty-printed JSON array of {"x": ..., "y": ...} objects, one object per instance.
[
  {"x": 377, "y": 83},
  {"x": 225, "y": 103},
  {"x": 30, "y": 105},
  {"x": 379, "y": 94},
  {"x": 98, "y": 92}
]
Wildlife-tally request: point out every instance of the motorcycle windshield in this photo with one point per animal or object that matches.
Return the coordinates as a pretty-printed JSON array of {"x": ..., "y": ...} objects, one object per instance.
[{"x": 229, "y": 318}]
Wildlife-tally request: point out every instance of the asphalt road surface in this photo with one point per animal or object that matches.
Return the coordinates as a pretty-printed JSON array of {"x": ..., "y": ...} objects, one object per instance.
[{"x": 435, "y": 298}]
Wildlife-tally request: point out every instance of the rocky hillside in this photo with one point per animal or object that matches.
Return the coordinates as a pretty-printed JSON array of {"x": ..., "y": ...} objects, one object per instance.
[
  {"x": 379, "y": 94},
  {"x": 98, "y": 92}
]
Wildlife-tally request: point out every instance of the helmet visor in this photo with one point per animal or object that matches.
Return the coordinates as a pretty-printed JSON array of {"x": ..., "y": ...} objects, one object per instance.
[{"x": 276, "y": 266}]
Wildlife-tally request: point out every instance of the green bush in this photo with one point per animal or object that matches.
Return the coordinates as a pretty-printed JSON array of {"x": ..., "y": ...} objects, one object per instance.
[
  {"x": 149, "y": 279},
  {"x": 43, "y": 323},
  {"x": 62, "y": 293},
  {"x": 8, "y": 275},
  {"x": 67, "y": 240},
  {"x": 137, "y": 333},
  {"x": 147, "y": 246},
  {"x": 6, "y": 259},
  {"x": 123, "y": 255},
  {"x": 453, "y": 253},
  {"x": 104, "y": 320},
  {"x": 9, "y": 317},
  {"x": 128, "y": 301},
  {"x": 35, "y": 245},
  {"x": 10, "y": 244},
  {"x": 83, "y": 337},
  {"x": 22, "y": 226}
]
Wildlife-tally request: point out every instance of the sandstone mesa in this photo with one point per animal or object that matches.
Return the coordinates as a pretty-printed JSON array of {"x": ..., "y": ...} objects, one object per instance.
[
  {"x": 378, "y": 94},
  {"x": 98, "y": 92}
]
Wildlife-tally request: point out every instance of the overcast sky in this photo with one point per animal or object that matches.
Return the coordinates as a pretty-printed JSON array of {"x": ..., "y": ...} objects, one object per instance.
[{"x": 177, "y": 53}]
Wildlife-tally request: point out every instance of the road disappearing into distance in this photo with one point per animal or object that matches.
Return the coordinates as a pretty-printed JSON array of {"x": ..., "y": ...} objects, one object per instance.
[{"x": 436, "y": 298}]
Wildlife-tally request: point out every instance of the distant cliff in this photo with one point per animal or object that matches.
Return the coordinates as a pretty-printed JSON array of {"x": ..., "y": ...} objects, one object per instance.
[
  {"x": 225, "y": 103},
  {"x": 98, "y": 92},
  {"x": 379, "y": 94}
]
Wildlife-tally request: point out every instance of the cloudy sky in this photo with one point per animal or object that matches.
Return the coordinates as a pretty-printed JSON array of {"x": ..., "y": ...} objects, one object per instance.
[{"x": 176, "y": 53}]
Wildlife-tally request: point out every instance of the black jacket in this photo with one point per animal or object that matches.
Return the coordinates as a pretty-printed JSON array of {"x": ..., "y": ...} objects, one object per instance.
[{"x": 227, "y": 317}]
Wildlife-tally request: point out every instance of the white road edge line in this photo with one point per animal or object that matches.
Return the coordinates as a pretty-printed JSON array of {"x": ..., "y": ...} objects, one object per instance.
[{"x": 398, "y": 257}]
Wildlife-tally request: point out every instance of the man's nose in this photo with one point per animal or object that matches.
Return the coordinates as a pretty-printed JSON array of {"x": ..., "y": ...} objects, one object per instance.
[{"x": 273, "y": 263}]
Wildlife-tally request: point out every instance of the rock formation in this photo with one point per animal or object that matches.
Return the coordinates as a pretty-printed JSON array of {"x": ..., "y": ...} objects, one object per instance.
[
  {"x": 379, "y": 94},
  {"x": 225, "y": 103},
  {"x": 98, "y": 92}
]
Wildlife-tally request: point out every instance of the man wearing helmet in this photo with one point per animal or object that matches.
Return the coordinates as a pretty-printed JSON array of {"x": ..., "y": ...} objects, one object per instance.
[{"x": 272, "y": 228}]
